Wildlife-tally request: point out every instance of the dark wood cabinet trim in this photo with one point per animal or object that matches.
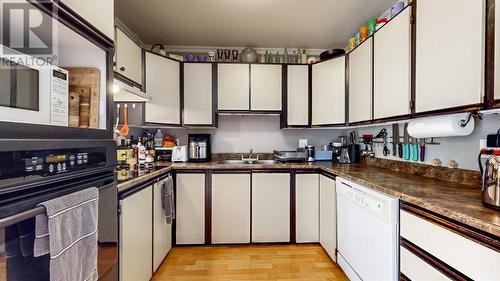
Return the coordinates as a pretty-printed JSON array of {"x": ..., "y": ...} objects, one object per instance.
[
  {"x": 476, "y": 235},
  {"x": 293, "y": 209},
  {"x": 436, "y": 263},
  {"x": 489, "y": 91},
  {"x": 181, "y": 93},
  {"x": 208, "y": 207},
  {"x": 403, "y": 277},
  {"x": 284, "y": 97},
  {"x": 310, "y": 95}
]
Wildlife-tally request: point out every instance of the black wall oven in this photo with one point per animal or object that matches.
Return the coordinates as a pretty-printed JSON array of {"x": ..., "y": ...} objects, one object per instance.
[{"x": 34, "y": 171}]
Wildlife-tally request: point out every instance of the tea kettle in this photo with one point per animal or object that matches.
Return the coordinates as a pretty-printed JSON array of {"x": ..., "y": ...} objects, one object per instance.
[{"x": 490, "y": 189}]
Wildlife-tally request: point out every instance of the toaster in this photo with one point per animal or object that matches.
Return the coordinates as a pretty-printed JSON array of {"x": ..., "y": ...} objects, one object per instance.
[{"x": 180, "y": 153}]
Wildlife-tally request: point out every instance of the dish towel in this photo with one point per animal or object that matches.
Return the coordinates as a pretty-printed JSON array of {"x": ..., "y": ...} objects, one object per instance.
[
  {"x": 167, "y": 202},
  {"x": 20, "y": 262},
  {"x": 68, "y": 232}
]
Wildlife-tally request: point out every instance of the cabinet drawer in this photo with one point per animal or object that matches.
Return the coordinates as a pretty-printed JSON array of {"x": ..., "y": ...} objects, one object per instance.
[
  {"x": 416, "y": 269},
  {"x": 451, "y": 248}
]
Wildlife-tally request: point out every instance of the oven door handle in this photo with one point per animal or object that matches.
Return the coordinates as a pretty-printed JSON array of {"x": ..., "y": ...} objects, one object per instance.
[{"x": 19, "y": 217}]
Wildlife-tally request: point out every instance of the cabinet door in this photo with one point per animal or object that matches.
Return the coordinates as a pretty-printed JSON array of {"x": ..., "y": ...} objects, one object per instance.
[
  {"x": 265, "y": 87},
  {"x": 163, "y": 85},
  {"x": 449, "y": 58},
  {"x": 136, "y": 236},
  {"x": 328, "y": 92},
  {"x": 307, "y": 208},
  {"x": 298, "y": 95},
  {"x": 100, "y": 14},
  {"x": 327, "y": 215},
  {"x": 233, "y": 86},
  {"x": 190, "y": 209},
  {"x": 230, "y": 208},
  {"x": 198, "y": 109},
  {"x": 128, "y": 57},
  {"x": 392, "y": 67},
  {"x": 416, "y": 269},
  {"x": 360, "y": 82},
  {"x": 162, "y": 231},
  {"x": 271, "y": 207}
]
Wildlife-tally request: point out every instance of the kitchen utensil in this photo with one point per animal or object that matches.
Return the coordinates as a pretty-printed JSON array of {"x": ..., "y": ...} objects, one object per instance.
[
  {"x": 248, "y": 55},
  {"x": 124, "y": 129},
  {"x": 74, "y": 110},
  {"x": 344, "y": 156},
  {"x": 383, "y": 134},
  {"x": 395, "y": 138},
  {"x": 352, "y": 137},
  {"x": 422, "y": 150},
  {"x": 490, "y": 177},
  {"x": 86, "y": 81},
  {"x": 406, "y": 143},
  {"x": 414, "y": 149},
  {"x": 332, "y": 53},
  {"x": 227, "y": 54},
  {"x": 343, "y": 141},
  {"x": 354, "y": 153},
  {"x": 117, "y": 119},
  {"x": 220, "y": 54},
  {"x": 235, "y": 54}
]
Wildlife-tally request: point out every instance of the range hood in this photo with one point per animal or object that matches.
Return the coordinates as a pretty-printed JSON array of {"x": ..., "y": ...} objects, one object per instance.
[{"x": 126, "y": 93}]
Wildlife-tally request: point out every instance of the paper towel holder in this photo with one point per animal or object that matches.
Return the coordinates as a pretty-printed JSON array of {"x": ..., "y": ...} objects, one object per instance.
[{"x": 464, "y": 122}]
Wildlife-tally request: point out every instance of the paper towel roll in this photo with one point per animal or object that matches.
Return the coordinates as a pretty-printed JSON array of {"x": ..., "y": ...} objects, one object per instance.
[{"x": 440, "y": 126}]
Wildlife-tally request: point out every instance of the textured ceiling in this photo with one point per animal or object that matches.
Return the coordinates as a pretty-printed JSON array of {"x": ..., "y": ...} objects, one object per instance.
[{"x": 257, "y": 23}]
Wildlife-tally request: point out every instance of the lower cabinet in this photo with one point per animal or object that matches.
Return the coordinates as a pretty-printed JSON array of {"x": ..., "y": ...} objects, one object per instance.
[
  {"x": 443, "y": 248},
  {"x": 230, "y": 208},
  {"x": 270, "y": 207},
  {"x": 327, "y": 215},
  {"x": 307, "y": 208},
  {"x": 136, "y": 241},
  {"x": 162, "y": 231},
  {"x": 190, "y": 208}
]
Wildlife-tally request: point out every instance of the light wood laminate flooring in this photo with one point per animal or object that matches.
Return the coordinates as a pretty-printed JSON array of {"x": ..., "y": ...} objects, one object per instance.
[{"x": 249, "y": 262}]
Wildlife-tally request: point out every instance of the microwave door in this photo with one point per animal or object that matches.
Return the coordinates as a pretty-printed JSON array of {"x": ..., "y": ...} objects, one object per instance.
[{"x": 24, "y": 92}]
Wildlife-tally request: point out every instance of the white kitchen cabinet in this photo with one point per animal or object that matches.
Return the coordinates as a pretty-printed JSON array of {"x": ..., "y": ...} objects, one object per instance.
[
  {"x": 450, "y": 247},
  {"x": 162, "y": 231},
  {"x": 233, "y": 86},
  {"x": 136, "y": 241},
  {"x": 128, "y": 57},
  {"x": 449, "y": 61},
  {"x": 297, "y": 95},
  {"x": 416, "y": 269},
  {"x": 327, "y": 215},
  {"x": 265, "y": 87},
  {"x": 392, "y": 67},
  {"x": 230, "y": 208},
  {"x": 198, "y": 101},
  {"x": 307, "y": 208},
  {"x": 360, "y": 82},
  {"x": 270, "y": 207},
  {"x": 190, "y": 208},
  {"x": 101, "y": 14},
  {"x": 328, "y": 92},
  {"x": 163, "y": 85}
]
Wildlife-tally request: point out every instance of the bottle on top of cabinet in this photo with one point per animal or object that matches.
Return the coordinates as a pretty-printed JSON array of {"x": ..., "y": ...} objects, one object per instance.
[{"x": 303, "y": 57}]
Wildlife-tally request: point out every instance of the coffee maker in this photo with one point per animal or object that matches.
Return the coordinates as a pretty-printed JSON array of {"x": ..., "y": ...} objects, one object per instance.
[
  {"x": 490, "y": 188},
  {"x": 199, "y": 149}
]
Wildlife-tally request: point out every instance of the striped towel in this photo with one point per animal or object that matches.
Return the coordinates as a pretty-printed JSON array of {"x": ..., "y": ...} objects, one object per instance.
[
  {"x": 167, "y": 199},
  {"x": 68, "y": 232}
]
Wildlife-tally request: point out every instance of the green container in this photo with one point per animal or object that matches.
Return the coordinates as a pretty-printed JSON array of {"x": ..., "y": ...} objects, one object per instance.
[{"x": 371, "y": 26}]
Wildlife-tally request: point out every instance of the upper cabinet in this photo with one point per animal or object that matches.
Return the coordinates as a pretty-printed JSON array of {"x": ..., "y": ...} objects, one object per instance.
[
  {"x": 101, "y": 14},
  {"x": 360, "y": 82},
  {"x": 328, "y": 92},
  {"x": 198, "y": 94},
  {"x": 233, "y": 86},
  {"x": 265, "y": 87},
  {"x": 392, "y": 67},
  {"x": 163, "y": 85},
  {"x": 449, "y": 54},
  {"x": 297, "y": 99},
  {"x": 128, "y": 57}
]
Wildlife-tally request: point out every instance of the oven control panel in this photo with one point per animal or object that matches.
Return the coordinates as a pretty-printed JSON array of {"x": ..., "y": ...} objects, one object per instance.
[{"x": 43, "y": 163}]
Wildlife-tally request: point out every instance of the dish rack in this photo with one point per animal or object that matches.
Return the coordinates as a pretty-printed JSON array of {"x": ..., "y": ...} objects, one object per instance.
[{"x": 290, "y": 156}]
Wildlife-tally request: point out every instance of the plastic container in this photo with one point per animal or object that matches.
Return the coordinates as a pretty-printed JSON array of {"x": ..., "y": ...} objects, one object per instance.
[
  {"x": 363, "y": 33},
  {"x": 158, "y": 138},
  {"x": 357, "y": 37},
  {"x": 398, "y": 7},
  {"x": 381, "y": 22},
  {"x": 371, "y": 26}
]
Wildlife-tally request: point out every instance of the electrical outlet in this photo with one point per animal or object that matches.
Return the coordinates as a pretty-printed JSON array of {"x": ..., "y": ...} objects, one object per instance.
[{"x": 302, "y": 142}]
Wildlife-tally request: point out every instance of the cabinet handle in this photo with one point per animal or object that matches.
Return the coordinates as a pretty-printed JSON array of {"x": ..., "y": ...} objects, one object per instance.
[{"x": 122, "y": 68}]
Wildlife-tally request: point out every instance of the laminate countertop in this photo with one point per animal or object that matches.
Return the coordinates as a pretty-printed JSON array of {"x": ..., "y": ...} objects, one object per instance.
[{"x": 458, "y": 202}]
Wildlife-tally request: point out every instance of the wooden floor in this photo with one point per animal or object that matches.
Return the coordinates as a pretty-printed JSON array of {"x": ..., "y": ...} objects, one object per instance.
[{"x": 249, "y": 262}]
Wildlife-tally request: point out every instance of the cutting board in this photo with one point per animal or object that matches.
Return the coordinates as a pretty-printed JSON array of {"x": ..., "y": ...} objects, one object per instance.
[
  {"x": 74, "y": 109},
  {"x": 86, "y": 82}
]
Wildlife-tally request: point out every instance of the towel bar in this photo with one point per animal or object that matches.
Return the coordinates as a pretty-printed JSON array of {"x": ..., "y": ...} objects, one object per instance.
[{"x": 19, "y": 217}]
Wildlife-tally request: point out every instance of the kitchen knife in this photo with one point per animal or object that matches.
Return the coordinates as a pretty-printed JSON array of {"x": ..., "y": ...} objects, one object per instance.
[
  {"x": 395, "y": 139},
  {"x": 414, "y": 149},
  {"x": 406, "y": 143},
  {"x": 422, "y": 150}
]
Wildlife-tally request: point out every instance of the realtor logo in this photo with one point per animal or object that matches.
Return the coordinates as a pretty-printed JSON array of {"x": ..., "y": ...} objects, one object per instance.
[{"x": 26, "y": 29}]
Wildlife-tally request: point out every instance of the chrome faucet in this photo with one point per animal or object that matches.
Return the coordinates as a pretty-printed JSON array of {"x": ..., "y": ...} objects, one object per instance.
[{"x": 250, "y": 158}]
